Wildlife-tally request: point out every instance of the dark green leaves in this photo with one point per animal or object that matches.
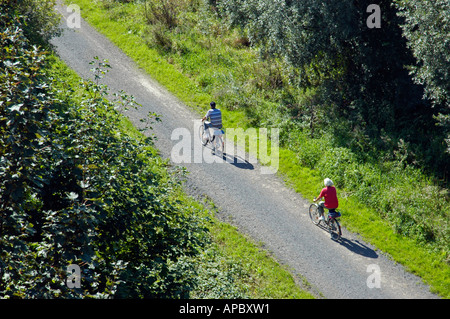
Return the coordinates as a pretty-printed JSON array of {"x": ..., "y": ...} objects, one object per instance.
[
  {"x": 368, "y": 83},
  {"x": 427, "y": 28},
  {"x": 76, "y": 189}
]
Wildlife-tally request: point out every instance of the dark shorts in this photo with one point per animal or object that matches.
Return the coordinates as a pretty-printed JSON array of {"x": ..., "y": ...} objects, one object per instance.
[{"x": 331, "y": 211}]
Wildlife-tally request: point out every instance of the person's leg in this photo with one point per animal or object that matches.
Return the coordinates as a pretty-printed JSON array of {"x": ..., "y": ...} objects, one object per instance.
[
  {"x": 321, "y": 210},
  {"x": 207, "y": 132}
]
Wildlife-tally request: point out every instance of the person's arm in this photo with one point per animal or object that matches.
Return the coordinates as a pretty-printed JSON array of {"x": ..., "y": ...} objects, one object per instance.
[
  {"x": 320, "y": 196},
  {"x": 206, "y": 116}
]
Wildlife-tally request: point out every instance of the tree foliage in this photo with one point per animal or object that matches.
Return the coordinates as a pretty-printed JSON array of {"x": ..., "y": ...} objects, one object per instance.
[
  {"x": 359, "y": 74},
  {"x": 75, "y": 190},
  {"x": 40, "y": 20},
  {"x": 427, "y": 27}
]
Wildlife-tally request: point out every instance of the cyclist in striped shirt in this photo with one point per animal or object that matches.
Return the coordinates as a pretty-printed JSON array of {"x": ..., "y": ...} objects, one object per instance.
[{"x": 215, "y": 117}]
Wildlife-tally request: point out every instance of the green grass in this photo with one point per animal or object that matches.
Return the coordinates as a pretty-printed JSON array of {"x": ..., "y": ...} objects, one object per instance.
[{"x": 192, "y": 77}]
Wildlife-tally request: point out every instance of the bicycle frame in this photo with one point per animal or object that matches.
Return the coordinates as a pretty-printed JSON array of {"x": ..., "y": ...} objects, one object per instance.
[
  {"x": 216, "y": 134},
  {"x": 332, "y": 222}
]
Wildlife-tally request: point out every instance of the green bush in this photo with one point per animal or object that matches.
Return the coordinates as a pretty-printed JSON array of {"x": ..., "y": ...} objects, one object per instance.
[{"x": 76, "y": 190}]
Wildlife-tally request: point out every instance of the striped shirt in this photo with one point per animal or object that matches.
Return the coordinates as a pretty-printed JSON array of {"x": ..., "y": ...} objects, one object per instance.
[{"x": 215, "y": 116}]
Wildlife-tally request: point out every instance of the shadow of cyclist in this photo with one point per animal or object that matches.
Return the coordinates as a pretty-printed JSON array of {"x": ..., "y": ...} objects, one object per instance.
[
  {"x": 358, "y": 248},
  {"x": 237, "y": 161}
]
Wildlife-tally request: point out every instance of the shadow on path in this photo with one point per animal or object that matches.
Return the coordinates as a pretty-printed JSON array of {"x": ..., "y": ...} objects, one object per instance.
[
  {"x": 358, "y": 248},
  {"x": 237, "y": 161}
]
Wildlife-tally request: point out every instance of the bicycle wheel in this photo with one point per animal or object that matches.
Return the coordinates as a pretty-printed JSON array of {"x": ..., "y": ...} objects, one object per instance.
[
  {"x": 314, "y": 214},
  {"x": 201, "y": 133},
  {"x": 335, "y": 229}
]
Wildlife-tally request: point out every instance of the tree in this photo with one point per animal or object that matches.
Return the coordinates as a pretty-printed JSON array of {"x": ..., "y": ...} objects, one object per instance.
[
  {"x": 427, "y": 27},
  {"x": 368, "y": 98},
  {"x": 76, "y": 190},
  {"x": 360, "y": 69}
]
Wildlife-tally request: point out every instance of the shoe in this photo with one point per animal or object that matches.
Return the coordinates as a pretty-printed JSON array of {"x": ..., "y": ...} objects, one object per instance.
[{"x": 321, "y": 218}]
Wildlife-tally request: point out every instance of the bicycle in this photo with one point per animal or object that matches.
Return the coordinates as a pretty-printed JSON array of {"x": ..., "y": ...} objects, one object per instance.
[
  {"x": 331, "y": 222},
  {"x": 215, "y": 139}
]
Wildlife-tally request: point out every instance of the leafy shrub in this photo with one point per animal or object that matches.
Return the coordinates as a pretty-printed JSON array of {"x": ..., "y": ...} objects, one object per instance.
[
  {"x": 75, "y": 190},
  {"x": 163, "y": 12},
  {"x": 40, "y": 19},
  {"x": 218, "y": 277}
]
